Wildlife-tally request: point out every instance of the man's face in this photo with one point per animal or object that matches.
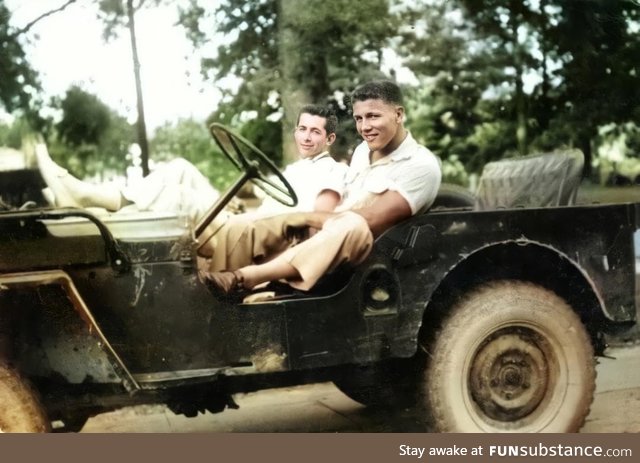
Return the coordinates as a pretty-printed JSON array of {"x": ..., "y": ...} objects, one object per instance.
[
  {"x": 311, "y": 136},
  {"x": 379, "y": 124}
]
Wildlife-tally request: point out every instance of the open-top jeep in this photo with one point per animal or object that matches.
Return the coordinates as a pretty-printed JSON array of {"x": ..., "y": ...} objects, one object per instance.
[{"x": 485, "y": 318}]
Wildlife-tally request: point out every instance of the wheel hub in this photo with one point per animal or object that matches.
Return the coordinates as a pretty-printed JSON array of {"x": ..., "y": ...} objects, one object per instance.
[{"x": 509, "y": 374}]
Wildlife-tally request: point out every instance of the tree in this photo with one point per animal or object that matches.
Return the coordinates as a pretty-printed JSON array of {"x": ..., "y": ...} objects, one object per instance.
[
  {"x": 190, "y": 139},
  {"x": 19, "y": 80},
  {"x": 520, "y": 75},
  {"x": 19, "y": 84},
  {"x": 118, "y": 14},
  {"x": 91, "y": 137},
  {"x": 288, "y": 55},
  {"x": 445, "y": 111},
  {"x": 600, "y": 78}
]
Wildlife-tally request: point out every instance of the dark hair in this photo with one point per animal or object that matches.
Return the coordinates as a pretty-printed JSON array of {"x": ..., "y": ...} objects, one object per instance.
[
  {"x": 331, "y": 120},
  {"x": 384, "y": 90}
]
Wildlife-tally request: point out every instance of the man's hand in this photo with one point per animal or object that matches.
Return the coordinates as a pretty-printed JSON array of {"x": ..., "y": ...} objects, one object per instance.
[{"x": 296, "y": 227}]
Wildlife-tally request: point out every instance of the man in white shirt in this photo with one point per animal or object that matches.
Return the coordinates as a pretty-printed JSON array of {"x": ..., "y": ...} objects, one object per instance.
[
  {"x": 391, "y": 178},
  {"x": 179, "y": 187},
  {"x": 316, "y": 177}
]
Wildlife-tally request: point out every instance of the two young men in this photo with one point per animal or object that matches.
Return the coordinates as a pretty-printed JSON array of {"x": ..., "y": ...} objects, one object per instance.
[
  {"x": 391, "y": 177},
  {"x": 179, "y": 187}
]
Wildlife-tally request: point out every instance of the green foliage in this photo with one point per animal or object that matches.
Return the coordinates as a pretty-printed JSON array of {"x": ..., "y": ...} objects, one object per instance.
[
  {"x": 19, "y": 82},
  {"x": 90, "y": 138},
  {"x": 499, "y": 78},
  {"x": 618, "y": 160},
  {"x": 287, "y": 55},
  {"x": 191, "y": 140},
  {"x": 266, "y": 135},
  {"x": 11, "y": 135},
  {"x": 85, "y": 118},
  {"x": 114, "y": 14}
]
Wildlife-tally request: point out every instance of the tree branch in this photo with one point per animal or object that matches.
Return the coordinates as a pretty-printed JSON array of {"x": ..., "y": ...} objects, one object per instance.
[
  {"x": 42, "y": 16},
  {"x": 139, "y": 6}
]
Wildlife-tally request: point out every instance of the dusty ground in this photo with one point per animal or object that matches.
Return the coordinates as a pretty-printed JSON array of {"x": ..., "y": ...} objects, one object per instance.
[{"x": 322, "y": 408}]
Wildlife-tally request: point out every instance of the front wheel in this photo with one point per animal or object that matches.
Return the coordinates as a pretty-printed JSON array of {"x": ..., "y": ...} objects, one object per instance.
[
  {"x": 511, "y": 357},
  {"x": 20, "y": 409}
]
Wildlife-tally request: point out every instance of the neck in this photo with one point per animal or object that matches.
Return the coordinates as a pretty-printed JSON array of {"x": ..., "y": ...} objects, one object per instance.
[{"x": 396, "y": 141}]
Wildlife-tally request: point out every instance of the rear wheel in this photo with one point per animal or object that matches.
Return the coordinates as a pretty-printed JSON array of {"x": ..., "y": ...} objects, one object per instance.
[
  {"x": 20, "y": 409},
  {"x": 511, "y": 356}
]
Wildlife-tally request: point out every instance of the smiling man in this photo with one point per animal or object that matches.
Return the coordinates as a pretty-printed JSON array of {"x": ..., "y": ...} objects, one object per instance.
[
  {"x": 316, "y": 177},
  {"x": 391, "y": 177}
]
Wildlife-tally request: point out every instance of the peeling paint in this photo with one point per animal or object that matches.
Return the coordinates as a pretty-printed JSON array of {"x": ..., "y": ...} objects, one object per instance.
[
  {"x": 456, "y": 228},
  {"x": 140, "y": 274},
  {"x": 269, "y": 359}
]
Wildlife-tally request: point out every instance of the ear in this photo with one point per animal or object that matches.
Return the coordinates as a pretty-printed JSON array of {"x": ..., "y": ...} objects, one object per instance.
[
  {"x": 331, "y": 138},
  {"x": 399, "y": 114}
]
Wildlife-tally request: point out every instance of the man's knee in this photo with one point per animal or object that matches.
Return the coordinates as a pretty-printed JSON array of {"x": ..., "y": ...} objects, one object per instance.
[{"x": 351, "y": 222}]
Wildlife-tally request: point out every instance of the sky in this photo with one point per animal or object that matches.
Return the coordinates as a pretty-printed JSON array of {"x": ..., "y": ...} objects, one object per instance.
[{"x": 67, "y": 48}]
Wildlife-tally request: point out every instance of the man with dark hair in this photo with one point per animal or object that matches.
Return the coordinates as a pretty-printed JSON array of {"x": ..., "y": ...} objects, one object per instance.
[
  {"x": 391, "y": 177},
  {"x": 179, "y": 187},
  {"x": 325, "y": 112},
  {"x": 316, "y": 177}
]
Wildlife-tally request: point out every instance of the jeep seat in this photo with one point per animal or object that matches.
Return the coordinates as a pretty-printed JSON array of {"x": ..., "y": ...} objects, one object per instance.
[{"x": 540, "y": 180}]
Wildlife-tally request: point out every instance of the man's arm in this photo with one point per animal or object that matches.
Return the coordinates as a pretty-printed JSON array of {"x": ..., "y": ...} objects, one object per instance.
[
  {"x": 326, "y": 201},
  {"x": 386, "y": 210}
]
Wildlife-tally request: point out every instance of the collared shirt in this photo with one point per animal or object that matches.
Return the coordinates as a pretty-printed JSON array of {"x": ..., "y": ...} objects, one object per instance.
[
  {"x": 309, "y": 177},
  {"x": 411, "y": 170}
]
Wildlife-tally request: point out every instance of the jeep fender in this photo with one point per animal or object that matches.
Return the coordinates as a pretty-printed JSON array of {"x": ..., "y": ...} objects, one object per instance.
[{"x": 84, "y": 345}]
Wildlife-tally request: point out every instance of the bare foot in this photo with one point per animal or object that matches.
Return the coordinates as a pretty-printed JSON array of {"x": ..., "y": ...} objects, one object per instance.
[{"x": 53, "y": 176}]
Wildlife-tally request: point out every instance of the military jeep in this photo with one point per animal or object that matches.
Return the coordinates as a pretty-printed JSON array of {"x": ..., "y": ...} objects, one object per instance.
[{"x": 486, "y": 313}]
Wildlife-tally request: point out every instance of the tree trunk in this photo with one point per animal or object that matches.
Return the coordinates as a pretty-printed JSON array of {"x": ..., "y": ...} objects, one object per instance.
[
  {"x": 140, "y": 124},
  {"x": 545, "y": 107},
  {"x": 520, "y": 103},
  {"x": 584, "y": 143},
  {"x": 293, "y": 93}
]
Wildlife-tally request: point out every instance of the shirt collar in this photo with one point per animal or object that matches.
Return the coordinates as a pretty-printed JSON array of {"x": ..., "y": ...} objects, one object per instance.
[
  {"x": 403, "y": 151},
  {"x": 317, "y": 157}
]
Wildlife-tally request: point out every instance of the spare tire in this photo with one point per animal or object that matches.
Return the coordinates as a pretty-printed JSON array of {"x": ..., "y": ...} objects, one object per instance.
[{"x": 453, "y": 196}]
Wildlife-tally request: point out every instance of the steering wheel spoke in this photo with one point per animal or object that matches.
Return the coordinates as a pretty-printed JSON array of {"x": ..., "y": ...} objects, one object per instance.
[{"x": 257, "y": 166}]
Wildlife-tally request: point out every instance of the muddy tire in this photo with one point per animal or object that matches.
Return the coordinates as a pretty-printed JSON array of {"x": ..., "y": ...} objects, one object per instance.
[
  {"x": 511, "y": 357},
  {"x": 20, "y": 409}
]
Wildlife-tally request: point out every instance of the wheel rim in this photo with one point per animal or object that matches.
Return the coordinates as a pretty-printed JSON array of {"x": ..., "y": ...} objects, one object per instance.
[{"x": 512, "y": 373}]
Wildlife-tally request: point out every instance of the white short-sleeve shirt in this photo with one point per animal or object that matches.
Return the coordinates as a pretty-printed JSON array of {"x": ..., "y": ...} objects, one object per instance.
[
  {"x": 309, "y": 177},
  {"x": 411, "y": 170}
]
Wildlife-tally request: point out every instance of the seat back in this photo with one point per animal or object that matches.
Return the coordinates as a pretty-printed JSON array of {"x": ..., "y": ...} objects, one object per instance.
[{"x": 548, "y": 179}]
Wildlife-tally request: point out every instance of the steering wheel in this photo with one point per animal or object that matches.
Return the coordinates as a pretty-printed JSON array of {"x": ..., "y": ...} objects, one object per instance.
[{"x": 256, "y": 166}]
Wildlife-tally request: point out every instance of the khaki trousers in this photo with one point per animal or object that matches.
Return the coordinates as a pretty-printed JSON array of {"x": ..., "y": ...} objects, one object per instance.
[{"x": 243, "y": 240}]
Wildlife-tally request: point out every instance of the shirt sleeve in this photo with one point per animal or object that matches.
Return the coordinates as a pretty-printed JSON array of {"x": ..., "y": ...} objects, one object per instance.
[
  {"x": 332, "y": 176},
  {"x": 417, "y": 181}
]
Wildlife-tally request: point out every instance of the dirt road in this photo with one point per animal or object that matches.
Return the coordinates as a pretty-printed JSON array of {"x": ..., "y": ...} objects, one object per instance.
[{"x": 322, "y": 408}]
